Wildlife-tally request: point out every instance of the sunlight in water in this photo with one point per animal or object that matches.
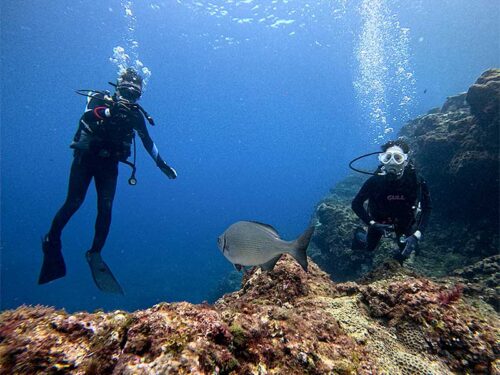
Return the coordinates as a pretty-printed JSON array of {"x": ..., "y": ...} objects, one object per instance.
[
  {"x": 128, "y": 56},
  {"x": 385, "y": 83}
]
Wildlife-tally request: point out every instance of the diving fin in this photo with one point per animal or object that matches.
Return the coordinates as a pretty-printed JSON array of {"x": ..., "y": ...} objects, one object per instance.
[
  {"x": 359, "y": 239},
  {"x": 53, "y": 266},
  {"x": 102, "y": 275}
]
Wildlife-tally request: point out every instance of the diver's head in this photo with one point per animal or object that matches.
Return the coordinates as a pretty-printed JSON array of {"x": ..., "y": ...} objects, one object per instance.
[
  {"x": 394, "y": 158},
  {"x": 129, "y": 86}
]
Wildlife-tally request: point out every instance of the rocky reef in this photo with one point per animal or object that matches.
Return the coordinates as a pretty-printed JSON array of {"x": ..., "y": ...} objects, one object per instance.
[
  {"x": 280, "y": 322},
  {"x": 437, "y": 315},
  {"x": 456, "y": 149}
]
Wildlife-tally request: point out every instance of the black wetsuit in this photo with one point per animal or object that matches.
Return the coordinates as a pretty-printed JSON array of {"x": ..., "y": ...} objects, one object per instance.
[
  {"x": 99, "y": 144},
  {"x": 393, "y": 202}
]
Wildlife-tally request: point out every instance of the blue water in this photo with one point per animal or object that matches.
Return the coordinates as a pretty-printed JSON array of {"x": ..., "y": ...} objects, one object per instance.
[{"x": 259, "y": 115}]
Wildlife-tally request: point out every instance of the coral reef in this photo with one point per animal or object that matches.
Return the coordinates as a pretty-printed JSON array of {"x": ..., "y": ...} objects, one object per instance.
[
  {"x": 279, "y": 322},
  {"x": 456, "y": 149}
]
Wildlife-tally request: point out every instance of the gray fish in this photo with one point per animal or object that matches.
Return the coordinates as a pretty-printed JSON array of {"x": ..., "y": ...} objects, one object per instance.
[{"x": 249, "y": 243}]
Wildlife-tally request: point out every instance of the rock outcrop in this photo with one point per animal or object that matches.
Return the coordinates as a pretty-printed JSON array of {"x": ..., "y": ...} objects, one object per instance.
[
  {"x": 280, "y": 322},
  {"x": 456, "y": 149}
]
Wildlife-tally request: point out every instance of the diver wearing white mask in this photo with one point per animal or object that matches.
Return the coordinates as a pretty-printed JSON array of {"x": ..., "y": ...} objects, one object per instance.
[{"x": 398, "y": 201}]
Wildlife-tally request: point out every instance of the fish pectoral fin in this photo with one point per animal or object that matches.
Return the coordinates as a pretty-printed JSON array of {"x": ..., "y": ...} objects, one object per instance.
[
  {"x": 238, "y": 267},
  {"x": 269, "y": 266}
]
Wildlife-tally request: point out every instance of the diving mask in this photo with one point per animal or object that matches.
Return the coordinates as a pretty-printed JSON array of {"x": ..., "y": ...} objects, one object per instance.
[
  {"x": 129, "y": 91},
  {"x": 394, "y": 161},
  {"x": 393, "y": 157}
]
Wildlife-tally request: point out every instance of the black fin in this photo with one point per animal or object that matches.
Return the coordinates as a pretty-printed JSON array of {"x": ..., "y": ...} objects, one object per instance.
[
  {"x": 53, "y": 266},
  {"x": 359, "y": 239},
  {"x": 267, "y": 226},
  {"x": 301, "y": 244},
  {"x": 103, "y": 277},
  {"x": 269, "y": 266}
]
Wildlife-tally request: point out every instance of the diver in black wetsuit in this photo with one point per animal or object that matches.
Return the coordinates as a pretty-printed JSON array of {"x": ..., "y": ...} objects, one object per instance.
[
  {"x": 395, "y": 194},
  {"x": 103, "y": 139}
]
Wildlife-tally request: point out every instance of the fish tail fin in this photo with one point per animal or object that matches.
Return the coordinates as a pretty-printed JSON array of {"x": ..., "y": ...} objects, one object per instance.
[{"x": 300, "y": 247}]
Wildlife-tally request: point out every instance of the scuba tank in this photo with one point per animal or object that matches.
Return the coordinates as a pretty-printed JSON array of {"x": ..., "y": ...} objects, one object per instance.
[{"x": 109, "y": 100}]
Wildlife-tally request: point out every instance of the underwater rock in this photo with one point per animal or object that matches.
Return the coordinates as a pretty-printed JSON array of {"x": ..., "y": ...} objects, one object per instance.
[
  {"x": 483, "y": 97},
  {"x": 456, "y": 149},
  {"x": 279, "y": 322},
  {"x": 482, "y": 280},
  {"x": 454, "y": 103}
]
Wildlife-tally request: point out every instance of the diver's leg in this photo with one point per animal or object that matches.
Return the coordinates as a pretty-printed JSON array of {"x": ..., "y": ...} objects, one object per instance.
[
  {"x": 372, "y": 239},
  {"x": 79, "y": 181},
  {"x": 105, "y": 182},
  {"x": 53, "y": 266}
]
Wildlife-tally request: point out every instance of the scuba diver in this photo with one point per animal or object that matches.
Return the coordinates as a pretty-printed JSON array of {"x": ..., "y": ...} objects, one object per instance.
[
  {"x": 105, "y": 133},
  {"x": 398, "y": 202}
]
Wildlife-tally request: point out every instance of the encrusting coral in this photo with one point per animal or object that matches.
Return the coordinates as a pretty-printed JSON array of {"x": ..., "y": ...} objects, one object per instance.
[{"x": 280, "y": 322}]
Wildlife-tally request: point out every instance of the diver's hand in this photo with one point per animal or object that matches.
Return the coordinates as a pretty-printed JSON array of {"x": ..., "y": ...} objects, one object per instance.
[
  {"x": 411, "y": 245},
  {"x": 382, "y": 228},
  {"x": 169, "y": 171}
]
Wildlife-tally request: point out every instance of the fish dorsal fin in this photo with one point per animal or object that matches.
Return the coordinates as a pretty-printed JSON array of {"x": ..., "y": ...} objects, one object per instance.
[{"x": 267, "y": 227}]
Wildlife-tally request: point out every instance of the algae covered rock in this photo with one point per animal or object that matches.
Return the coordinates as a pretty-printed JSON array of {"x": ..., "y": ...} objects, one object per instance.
[
  {"x": 280, "y": 322},
  {"x": 457, "y": 150},
  {"x": 483, "y": 97},
  {"x": 482, "y": 280}
]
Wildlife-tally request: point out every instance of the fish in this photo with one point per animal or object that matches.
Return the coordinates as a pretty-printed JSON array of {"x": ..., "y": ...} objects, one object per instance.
[{"x": 250, "y": 243}]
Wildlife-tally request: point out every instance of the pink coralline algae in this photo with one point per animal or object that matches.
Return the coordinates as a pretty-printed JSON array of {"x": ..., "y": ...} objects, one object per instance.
[
  {"x": 280, "y": 322},
  {"x": 449, "y": 296}
]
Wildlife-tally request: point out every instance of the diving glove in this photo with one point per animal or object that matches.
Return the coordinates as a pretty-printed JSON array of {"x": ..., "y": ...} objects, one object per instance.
[{"x": 169, "y": 171}]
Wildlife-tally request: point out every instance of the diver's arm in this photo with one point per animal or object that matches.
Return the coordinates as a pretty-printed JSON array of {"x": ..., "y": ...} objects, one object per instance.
[
  {"x": 359, "y": 200},
  {"x": 152, "y": 150}
]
